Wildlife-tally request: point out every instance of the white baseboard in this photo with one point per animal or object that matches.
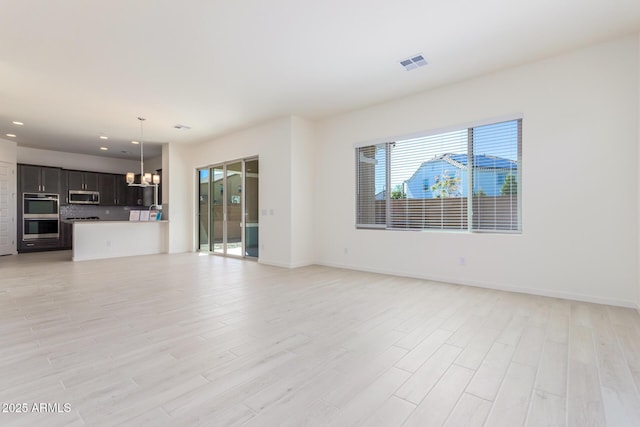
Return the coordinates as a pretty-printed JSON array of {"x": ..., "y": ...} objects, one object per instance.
[
  {"x": 301, "y": 264},
  {"x": 530, "y": 291},
  {"x": 273, "y": 263},
  {"x": 284, "y": 265}
]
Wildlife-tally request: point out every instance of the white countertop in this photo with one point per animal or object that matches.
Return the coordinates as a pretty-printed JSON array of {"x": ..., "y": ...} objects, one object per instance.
[{"x": 100, "y": 221}]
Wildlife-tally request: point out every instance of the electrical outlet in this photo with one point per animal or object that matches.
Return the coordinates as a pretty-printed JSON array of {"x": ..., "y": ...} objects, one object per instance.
[{"x": 463, "y": 261}]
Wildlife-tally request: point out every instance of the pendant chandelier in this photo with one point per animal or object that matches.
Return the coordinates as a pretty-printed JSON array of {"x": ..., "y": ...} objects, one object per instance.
[{"x": 146, "y": 179}]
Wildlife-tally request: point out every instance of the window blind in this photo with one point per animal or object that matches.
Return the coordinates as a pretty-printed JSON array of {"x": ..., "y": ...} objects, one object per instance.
[
  {"x": 371, "y": 186},
  {"x": 428, "y": 183},
  {"x": 496, "y": 176},
  {"x": 462, "y": 180}
]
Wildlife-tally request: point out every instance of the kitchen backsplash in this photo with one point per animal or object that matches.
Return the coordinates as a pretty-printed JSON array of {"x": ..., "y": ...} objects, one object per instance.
[{"x": 105, "y": 213}]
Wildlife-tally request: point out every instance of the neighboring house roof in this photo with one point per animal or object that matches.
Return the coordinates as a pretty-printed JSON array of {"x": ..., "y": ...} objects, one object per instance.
[{"x": 481, "y": 161}]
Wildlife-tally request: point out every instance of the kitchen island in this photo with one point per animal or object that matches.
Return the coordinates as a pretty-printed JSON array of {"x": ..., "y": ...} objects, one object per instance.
[{"x": 113, "y": 239}]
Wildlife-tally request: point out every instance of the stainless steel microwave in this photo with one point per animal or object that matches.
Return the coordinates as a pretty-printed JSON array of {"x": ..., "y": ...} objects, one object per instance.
[{"x": 81, "y": 197}]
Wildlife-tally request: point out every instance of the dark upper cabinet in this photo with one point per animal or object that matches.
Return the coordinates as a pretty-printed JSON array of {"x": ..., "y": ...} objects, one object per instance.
[
  {"x": 107, "y": 189},
  {"x": 134, "y": 194},
  {"x": 79, "y": 180},
  {"x": 146, "y": 194},
  {"x": 64, "y": 187},
  {"x": 91, "y": 181},
  {"x": 113, "y": 188},
  {"x": 114, "y": 191},
  {"x": 30, "y": 179},
  {"x": 75, "y": 180},
  {"x": 124, "y": 193},
  {"x": 39, "y": 179},
  {"x": 120, "y": 189},
  {"x": 160, "y": 187}
]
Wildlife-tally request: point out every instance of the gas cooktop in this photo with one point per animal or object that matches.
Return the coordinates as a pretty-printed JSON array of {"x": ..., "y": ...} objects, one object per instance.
[{"x": 80, "y": 218}]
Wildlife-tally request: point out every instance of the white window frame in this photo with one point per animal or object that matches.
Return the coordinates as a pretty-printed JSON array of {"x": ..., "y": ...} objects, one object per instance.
[{"x": 470, "y": 181}]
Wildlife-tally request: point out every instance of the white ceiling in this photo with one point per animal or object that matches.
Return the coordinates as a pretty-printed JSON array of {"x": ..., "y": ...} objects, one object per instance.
[{"x": 74, "y": 69}]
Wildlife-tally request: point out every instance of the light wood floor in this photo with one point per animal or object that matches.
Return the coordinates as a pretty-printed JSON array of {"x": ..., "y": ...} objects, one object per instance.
[{"x": 189, "y": 339}]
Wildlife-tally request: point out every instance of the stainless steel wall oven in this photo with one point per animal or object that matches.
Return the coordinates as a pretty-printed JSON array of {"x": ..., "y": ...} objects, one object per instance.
[{"x": 40, "y": 216}]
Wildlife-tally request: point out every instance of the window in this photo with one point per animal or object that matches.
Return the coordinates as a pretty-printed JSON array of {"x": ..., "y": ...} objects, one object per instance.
[{"x": 462, "y": 180}]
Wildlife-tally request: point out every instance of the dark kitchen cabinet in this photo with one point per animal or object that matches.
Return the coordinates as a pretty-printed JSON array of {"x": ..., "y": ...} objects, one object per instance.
[
  {"x": 125, "y": 195},
  {"x": 147, "y": 196},
  {"x": 134, "y": 196},
  {"x": 159, "y": 171},
  {"x": 39, "y": 179},
  {"x": 147, "y": 193},
  {"x": 107, "y": 189},
  {"x": 64, "y": 188},
  {"x": 79, "y": 180},
  {"x": 66, "y": 235},
  {"x": 114, "y": 191},
  {"x": 38, "y": 245}
]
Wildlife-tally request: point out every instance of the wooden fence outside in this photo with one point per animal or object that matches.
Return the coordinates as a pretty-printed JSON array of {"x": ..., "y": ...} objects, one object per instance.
[{"x": 489, "y": 213}]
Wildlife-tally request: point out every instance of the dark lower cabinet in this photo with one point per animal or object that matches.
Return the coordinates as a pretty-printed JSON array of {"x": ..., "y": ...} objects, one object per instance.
[
  {"x": 38, "y": 245},
  {"x": 66, "y": 235}
]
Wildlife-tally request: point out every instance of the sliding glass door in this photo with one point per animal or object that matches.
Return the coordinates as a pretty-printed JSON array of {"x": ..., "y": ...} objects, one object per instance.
[
  {"x": 231, "y": 219},
  {"x": 217, "y": 209},
  {"x": 234, "y": 208},
  {"x": 203, "y": 208},
  {"x": 251, "y": 208}
]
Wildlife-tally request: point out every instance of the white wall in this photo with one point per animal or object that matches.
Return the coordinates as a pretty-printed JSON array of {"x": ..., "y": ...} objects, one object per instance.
[
  {"x": 638, "y": 178},
  {"x": 35, "y": 156},
  {"x": 580, "y": 185},
  {"x": 177, "y": 197},
  {"x": 151, "y": 165},
  {"x": 303, "y": 187},
  {"x": 272, "y": 143},
  {"x": 8, "y": 151},
  {"x": 8, "y": 155}
]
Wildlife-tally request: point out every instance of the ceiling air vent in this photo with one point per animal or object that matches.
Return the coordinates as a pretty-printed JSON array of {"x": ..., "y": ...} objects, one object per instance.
[
  {"x": 413, "y": 62},
  {"x": 182, "y": 127}
]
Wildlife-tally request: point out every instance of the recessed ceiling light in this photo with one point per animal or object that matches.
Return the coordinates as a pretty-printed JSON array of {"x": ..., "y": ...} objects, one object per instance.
[
  {"x": 135, "y": 142},
  {"x": 413, "y": 62},
  {"x": 10, "y": 135},
  {"x": 104, "y": 137},
  {"x": 104, "y": 148},
  {"x": 18, "y": 123}
]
